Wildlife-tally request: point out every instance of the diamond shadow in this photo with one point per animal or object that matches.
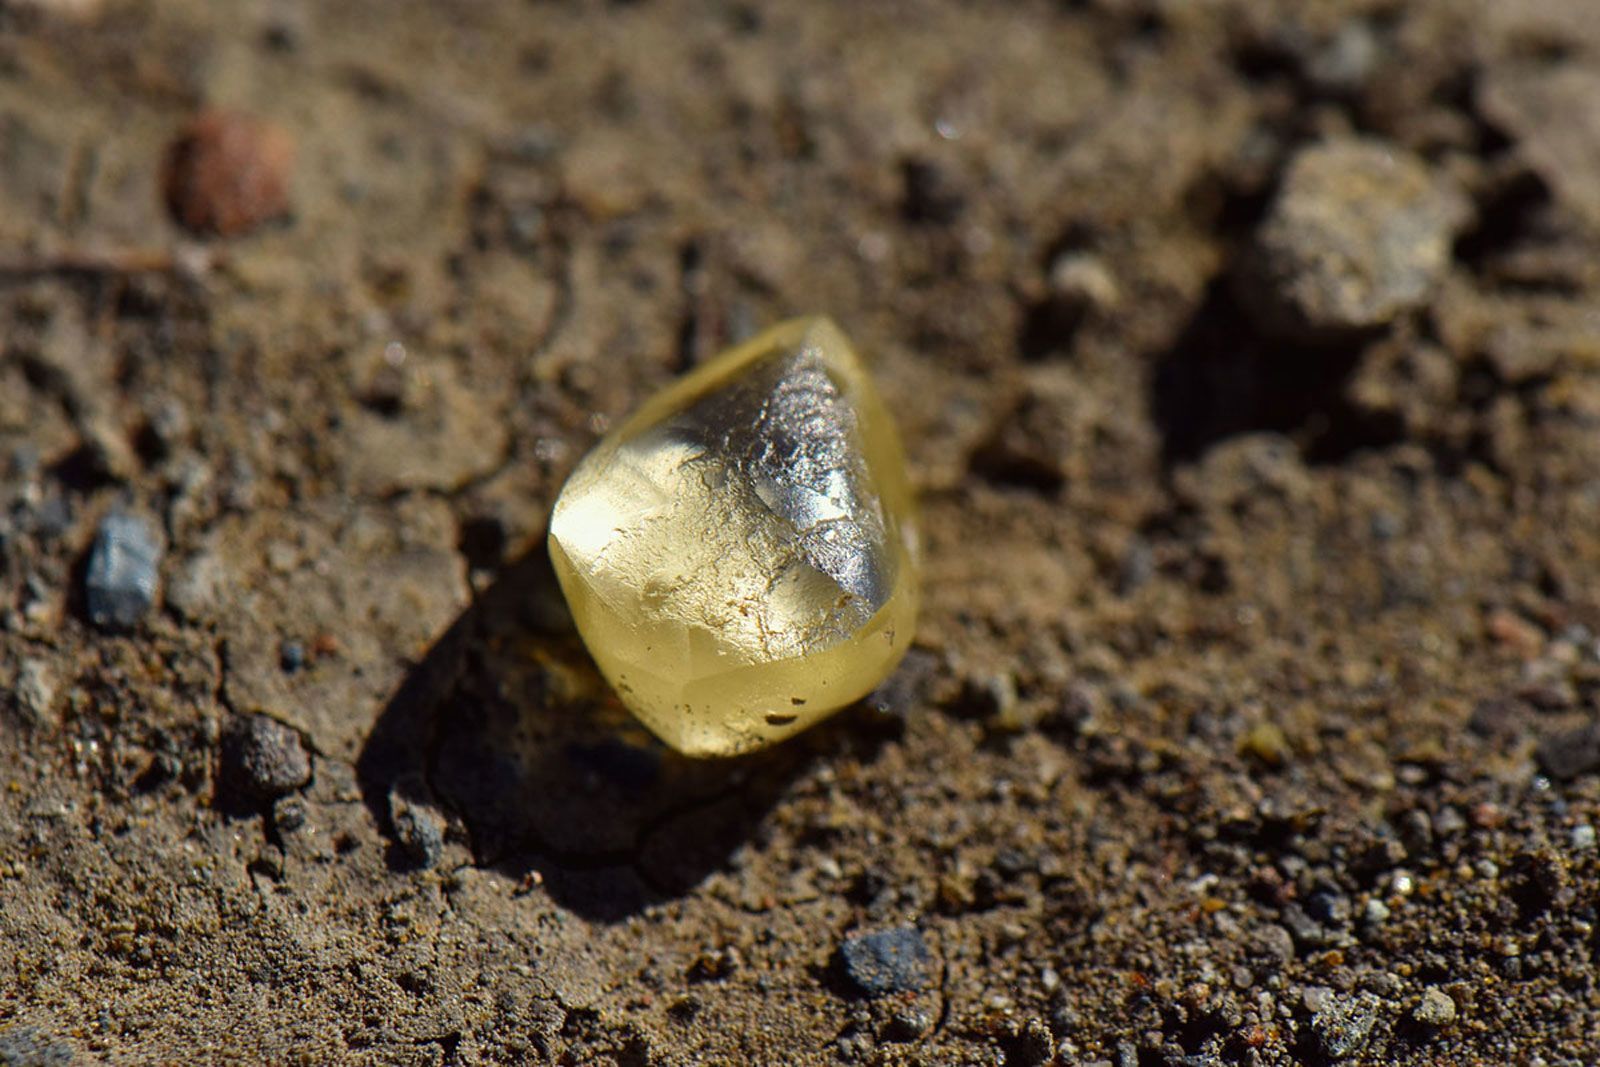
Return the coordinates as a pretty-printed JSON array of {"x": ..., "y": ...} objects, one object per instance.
[{"x": 507, "y": 725}]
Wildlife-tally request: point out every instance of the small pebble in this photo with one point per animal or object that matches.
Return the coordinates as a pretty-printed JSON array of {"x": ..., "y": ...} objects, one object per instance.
[
  {"x": 1583, "y": 837},
  {"x": 1274, "y": 943},
  {"x": 1436, "y": 1009},
  {"x": 291, "y": 656},
  {"x": 290, "y": 814},
  {"x": 264, "y": 759},
  {"x": 907, "y": 1024},
  {"x": 886, "y": 961},
  {"x": 228, "y": 173},
  {"x": 1307, "y": 931},
  {"x": 1266, "y": 743},
  {"x": 1081, "y": 281},
  {"x": 1342, "y": 1024},
  {"x": 1329, "y": 907},
  {"x": 35, "y": 691},
  {"x": 120, "y": 584},
  {"x": 1360, "y": 233},
  {"x": 1376, "y": 912},
  {"x": 418, "y": 829},
  {"x": 1449, "y": 822},
  {"x": 1571, "y": 753},
  {"x": 1343, "y": 65},
  {"x": 195, "y": 591}
]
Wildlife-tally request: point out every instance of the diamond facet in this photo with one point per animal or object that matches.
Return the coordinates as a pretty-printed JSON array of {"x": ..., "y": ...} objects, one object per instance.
[{"x": 740, "y": 554}]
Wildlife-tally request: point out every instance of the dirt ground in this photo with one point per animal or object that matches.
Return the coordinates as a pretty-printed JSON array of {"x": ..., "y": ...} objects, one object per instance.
[{"x": 1248, "y": 358}]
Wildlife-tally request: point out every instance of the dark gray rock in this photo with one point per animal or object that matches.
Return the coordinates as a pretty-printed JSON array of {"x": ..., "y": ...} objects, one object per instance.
[
  {"x": 262, "y": 759},
  {"x": 121, "y": 581},
  {"x": 886, "y": 961}
]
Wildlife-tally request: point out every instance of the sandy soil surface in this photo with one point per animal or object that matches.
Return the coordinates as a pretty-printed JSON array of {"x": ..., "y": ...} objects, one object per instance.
[{"x": 1248, "y": 357}]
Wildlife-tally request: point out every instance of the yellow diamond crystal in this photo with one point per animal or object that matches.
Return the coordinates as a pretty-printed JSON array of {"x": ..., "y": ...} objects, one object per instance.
[{"x": 740, "y": 554}]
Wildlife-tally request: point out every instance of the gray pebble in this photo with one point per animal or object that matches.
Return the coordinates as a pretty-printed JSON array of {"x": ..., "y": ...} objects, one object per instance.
[
  {"x": 1274, "y": 943},
  {"x": 886, "y": 961},
  {"x": 1583, "y": 837},
  {"x": 1305, "y": 930},
  {"x": 1436, "y": 1009},
  {"x": 1342, "y": 1024},
  {"x": 121, "y": 581},
  {"x": 418, "y": 829},
  {"x": 263, "y": 759},
  {"x": 1360, "y": 233}
]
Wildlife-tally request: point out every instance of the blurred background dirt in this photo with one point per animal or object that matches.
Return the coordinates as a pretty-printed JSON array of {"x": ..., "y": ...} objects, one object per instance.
[{"x": 1248, "y": 356}]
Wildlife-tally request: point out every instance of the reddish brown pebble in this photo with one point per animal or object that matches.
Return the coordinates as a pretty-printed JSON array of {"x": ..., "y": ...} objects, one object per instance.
[
  {"x": 1514, "y": 632},
  {"x": 1486, "y": 816},
  {"x": 228, "y": 173}
]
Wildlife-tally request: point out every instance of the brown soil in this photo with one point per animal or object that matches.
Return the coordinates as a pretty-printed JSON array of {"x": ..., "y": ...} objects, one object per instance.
[{"x": 1252, "y": 715}]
